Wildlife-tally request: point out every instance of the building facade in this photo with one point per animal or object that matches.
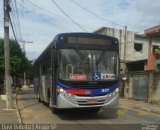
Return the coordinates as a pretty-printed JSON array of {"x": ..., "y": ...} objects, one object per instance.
[{"x": 135, "y": 58}]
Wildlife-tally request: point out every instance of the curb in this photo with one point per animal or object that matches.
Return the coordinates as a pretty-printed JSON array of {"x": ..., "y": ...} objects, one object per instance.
[
  {"x": 142, "y": 109},
  {"x": 147, "y": 110},
  {"x": 18, "y": 111}
]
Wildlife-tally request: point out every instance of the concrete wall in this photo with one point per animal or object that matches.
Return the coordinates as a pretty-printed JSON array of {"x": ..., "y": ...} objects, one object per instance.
[
  {"x": 144, "y": 54},
  {"x": 131, "y": 53},
  {"x": 128, "y": 90},
  {"x": 115, "y": 33},
  {"x": 156, "y": 89},
  {"x": 120, "y": 34}
]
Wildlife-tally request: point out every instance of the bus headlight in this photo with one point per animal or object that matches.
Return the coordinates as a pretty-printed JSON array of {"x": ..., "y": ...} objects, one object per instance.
[
  {"x": 60, "y": 90},
  {"x": 117, "y": 90},
  {"x": 68, "y": 95},
  {"x": 65, "y": 93}
]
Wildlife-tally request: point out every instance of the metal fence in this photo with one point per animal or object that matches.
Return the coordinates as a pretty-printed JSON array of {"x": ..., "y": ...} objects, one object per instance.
[{"x": 140, "y": 86}]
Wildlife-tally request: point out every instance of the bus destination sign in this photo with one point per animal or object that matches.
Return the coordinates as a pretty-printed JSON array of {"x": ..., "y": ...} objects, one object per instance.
[{"x": 83, "y": 40}]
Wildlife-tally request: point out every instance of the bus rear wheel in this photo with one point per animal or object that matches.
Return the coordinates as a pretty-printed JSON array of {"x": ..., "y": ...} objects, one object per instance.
[
  {"x": 54, "y": 110},
  {"x": 38, "y": 96}
]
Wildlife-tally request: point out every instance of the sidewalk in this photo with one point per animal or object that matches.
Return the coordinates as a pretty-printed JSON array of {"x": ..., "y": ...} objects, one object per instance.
[
  {"x": 9, "y": 116},
  {"x": 140, "y": 105}
]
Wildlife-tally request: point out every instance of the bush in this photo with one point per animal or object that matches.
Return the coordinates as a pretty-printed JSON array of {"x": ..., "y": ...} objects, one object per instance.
[{"x": 2, "y": 89}]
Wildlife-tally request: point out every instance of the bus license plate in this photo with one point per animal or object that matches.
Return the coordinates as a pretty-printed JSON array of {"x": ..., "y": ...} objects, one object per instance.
[{"x": 92, "y": 101}]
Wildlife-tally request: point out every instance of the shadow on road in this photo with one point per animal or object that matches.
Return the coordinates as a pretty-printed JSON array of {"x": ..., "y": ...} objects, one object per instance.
[{"x": 89, "y": 114}]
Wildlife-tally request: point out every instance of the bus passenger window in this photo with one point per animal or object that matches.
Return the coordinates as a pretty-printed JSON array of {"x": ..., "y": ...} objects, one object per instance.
[{"x": 43, "y": 70}]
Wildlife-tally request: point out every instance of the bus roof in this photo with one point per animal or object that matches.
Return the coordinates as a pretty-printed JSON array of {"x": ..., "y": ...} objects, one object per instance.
[
  {"x": 96, "y": 35},
  {"x": 78, "y": 34}
]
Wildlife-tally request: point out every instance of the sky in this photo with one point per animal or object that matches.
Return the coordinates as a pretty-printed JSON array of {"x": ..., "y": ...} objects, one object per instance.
[{"x": 36, "y": 22}]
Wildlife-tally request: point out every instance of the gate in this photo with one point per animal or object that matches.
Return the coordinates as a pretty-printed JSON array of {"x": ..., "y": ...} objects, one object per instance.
[{"x": 140, "y": 86}]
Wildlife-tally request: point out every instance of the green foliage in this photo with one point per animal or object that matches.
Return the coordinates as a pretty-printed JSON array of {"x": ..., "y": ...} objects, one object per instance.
[
  {"x": 18, "y": 61},
  {"x": 2, "y": 63}
]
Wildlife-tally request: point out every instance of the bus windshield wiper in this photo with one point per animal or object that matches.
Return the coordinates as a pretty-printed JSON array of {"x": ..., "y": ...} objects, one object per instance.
[
  {"x": 100, "y": 57},
  {"x": 84, "y": 59}
]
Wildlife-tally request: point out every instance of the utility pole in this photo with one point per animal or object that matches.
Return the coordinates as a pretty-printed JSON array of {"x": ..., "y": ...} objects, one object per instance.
[
  {"x": 7, "y": 9},
  {"x": 125, "y": 44},
  {"x": 23, "y": 49},
  {"x": 23, "y": 44},
  {"x": 126, "y": 88}
]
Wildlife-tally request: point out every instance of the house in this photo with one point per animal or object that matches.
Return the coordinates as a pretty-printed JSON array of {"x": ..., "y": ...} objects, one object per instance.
[
  {"x": 135, "y": 59},
  {"x": 153, "y": 63}
]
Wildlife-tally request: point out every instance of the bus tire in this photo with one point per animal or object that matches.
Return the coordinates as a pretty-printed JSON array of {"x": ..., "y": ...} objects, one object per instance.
[
  {"x": 38, "y": 96},
  {"x": 51, "y": 107},
  {"x": 54, "y": 110}
]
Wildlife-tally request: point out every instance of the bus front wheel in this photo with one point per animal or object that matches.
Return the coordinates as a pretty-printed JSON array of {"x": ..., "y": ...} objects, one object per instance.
[{"x": 52, "y": 108}]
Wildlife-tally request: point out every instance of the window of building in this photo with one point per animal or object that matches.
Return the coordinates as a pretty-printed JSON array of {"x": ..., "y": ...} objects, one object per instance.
[
  {"x": 138, "y": 47},
  {"x": 154, "y": 47}
]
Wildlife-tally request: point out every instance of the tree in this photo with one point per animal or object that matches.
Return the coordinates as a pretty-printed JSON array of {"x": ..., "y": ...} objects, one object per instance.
[{"x": 18, "y": 61}]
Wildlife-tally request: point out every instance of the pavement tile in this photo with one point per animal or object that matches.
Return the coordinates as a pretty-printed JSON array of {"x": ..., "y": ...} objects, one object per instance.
[
  {"x": 140, "y": 105},
  {"x": 8, "y": 116}
]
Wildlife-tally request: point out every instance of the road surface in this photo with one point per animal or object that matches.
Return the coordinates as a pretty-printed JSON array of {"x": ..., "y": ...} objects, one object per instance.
[{"x": 120, "y": 118}]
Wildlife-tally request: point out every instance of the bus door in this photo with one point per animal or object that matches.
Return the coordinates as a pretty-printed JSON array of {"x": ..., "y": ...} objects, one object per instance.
[{"x": 54, "y": 72}]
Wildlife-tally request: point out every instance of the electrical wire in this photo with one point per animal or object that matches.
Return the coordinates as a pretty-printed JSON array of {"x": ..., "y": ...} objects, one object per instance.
[
  {"x": 15, "y": 20},
  {"x": 67, "y": 15},
  {"x": 91, "y": 12},
  {"x": 44, "y": 13},
  {"x": 13, "y": 29},
  {"x": 18, "y": 20}
]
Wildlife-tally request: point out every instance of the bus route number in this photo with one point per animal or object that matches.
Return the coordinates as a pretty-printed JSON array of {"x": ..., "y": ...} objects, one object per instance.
[{"x": 105, "y": 90}]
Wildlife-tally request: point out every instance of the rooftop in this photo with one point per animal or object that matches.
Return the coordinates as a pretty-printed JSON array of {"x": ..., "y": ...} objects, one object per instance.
[{"x": 153, "y": 32}]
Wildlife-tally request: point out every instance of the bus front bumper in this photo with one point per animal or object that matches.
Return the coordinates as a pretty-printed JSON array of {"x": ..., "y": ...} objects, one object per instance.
[{"x": 111, "y": 99}]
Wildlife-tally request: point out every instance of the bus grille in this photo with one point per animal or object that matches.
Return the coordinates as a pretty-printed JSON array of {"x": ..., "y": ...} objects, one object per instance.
[
  {"x": 85, "y": 103},
  {"x": 90, "y": 95}
]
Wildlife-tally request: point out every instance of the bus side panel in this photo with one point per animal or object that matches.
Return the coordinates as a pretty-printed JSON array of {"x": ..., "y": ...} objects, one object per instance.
[
  {"x": 53, "y": 72},
  {"x": 44, "y": 91}
]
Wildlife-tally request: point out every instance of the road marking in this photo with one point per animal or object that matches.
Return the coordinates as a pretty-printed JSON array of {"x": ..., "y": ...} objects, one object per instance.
[
  {"x": 143, "y": 113},
  {"x": 139, "y": 110},
  {"x": 121, "y": 111},
  {"x": 146, "y": 109}
]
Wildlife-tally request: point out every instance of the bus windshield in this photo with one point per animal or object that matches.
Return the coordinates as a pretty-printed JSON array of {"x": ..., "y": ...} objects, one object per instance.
[{"x": 87, "y": 65}]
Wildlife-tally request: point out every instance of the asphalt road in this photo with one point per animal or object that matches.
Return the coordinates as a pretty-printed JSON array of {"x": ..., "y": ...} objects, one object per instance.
[{"x": 120, "y": 118}]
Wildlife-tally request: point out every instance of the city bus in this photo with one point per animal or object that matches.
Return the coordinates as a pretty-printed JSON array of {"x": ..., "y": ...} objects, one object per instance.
[{"x": 78, "y": 70}]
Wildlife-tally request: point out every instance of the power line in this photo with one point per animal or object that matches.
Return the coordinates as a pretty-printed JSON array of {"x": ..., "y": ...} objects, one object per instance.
[
  {"x": 19, "y": 27},
  {"x": 15, "y": 21},
  {"x": 68, "y": 15},
  {"x": 15, "y": 26},
  {"x": 49, "y": 12},
  {"x": 100, "y": 17},
  {"x": 35, "y": 5},
  {"x": 13, "y": 29},
  {"x": 44, "y": 13}
]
